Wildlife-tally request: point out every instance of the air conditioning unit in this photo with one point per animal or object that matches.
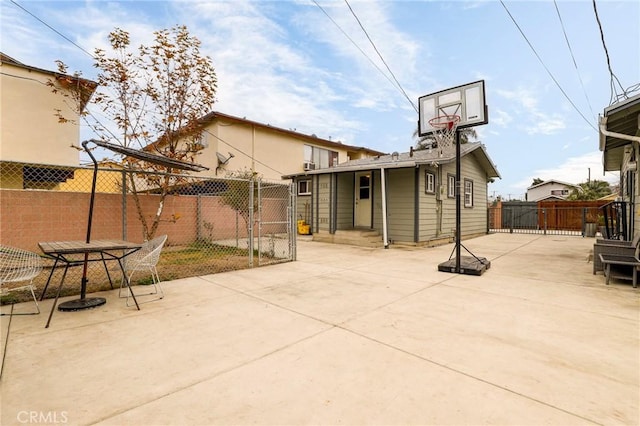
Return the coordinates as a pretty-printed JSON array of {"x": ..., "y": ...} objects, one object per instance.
[{"x": 307, "y": 165}]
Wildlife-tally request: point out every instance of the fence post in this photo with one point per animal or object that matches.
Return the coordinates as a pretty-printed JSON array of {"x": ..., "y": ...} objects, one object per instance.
[
  {"x": 237, "y": 230},
  {"x": 124, "y": 205},
  {"x": 511, "y": 215},
  {"x": 250, "y": 224},
  {"x": 584, "y": 220},
  {"x": 198, "y": 216},
  {"x": 544, "y": 220},
  {"x": 259, "y": 213},
  {"x": 292, "y": 228}
]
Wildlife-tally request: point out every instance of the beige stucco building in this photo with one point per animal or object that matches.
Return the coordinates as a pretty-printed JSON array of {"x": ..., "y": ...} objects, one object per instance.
[
  {"x": 30, "y": 130},
  {"x": 38, "y": 151},
  {"x": 233, "y": 144}
]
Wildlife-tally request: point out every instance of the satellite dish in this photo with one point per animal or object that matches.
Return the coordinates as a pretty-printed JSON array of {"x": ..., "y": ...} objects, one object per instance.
[{"x": 222, "y": 160}]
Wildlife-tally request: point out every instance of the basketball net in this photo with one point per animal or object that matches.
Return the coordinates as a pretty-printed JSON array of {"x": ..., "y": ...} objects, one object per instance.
[{"x": 444, "y": 133}]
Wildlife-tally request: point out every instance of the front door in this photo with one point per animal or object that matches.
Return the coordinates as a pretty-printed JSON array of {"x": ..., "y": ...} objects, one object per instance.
[{"x": 363, "y": 200}]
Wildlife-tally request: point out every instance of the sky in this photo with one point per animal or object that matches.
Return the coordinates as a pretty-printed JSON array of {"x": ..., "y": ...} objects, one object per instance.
[{"x": 352, "y": 71}]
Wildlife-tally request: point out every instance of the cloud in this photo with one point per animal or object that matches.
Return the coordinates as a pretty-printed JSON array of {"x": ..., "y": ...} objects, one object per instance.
[
  {"x": 545, "y": 125},
  {"x": 501, "y": 118},
  {"x": 278, "y": 63},
  {"x": 474, "y": 4},
  {"x": 369, "y": 82},
  {"x": 573, "y": 170},
  {"x": 529, "y": 117},
  {"x": 522, "y": 96}
]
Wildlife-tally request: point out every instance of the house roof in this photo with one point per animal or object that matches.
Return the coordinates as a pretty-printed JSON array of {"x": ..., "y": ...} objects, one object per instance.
[
  {"x": 411, "y": 159},
  {"x": 550, "y": 198},
  {"x": 87, "y": 87},
  {"x": 310, "y": 138},
  {"x": 550, "y": 181},
  {"x": 620, "y": 122}
]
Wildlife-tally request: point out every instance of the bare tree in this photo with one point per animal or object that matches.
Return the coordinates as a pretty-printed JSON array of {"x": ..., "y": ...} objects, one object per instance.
[
  {"x": 151, "y": 98},
  {"x": 239, "y": 196}
]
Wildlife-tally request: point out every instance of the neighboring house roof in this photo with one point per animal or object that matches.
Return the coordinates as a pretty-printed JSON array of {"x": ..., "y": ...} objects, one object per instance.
[
  {"x": 618, "y": 127},
  {"x": 87, "y": 87},
  {"x": 552, "y": 181},
  {"x": 310, "y": 138},
  {"x": 411, "y": 159},
  {"x": 551, "y": 198},
  {"x": 610, "y": 197}
]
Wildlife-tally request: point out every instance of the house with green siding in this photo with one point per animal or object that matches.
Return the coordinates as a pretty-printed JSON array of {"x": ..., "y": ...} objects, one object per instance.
[{"x": 401, "y": 198}]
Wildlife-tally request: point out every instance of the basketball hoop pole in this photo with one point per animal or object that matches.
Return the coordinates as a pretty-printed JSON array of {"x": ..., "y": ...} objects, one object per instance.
[
  {"x": 441, "y": 115},
  {"x": 458, "y": 199},
  {"x": 474, "y": 265}
]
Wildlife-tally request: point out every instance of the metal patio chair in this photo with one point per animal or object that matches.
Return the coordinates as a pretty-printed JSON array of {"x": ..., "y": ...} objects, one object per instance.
[
  {"x": 18, "y": 265},
  {"x": 144, "y": 259}
]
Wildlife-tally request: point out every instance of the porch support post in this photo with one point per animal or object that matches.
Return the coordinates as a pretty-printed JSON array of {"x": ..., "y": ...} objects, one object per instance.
[
  {"x": 383, "y": 188},
  {"x": 333, "y": 210}
]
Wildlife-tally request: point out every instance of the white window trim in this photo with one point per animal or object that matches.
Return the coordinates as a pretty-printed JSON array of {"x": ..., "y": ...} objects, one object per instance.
[
  {"x": 451, "y": 186},
  {"x": 308, "y": 192},
  {"x": 468, "y": 194},
  {"x": 429, "y": 182}
]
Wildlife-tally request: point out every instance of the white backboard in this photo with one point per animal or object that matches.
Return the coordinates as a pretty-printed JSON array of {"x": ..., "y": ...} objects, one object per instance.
[{"x": 467, "y": 101}]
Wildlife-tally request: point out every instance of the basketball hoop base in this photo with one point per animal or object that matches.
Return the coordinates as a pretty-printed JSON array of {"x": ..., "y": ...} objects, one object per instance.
[{"x": 469, "y": 265}]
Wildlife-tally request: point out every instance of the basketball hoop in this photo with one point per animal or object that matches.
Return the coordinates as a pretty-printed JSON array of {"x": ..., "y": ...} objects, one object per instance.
[{"x": 444, "y": 132}]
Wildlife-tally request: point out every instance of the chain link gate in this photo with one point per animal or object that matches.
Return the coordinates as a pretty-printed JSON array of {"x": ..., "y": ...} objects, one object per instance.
[{"x": 275, "y": 231}]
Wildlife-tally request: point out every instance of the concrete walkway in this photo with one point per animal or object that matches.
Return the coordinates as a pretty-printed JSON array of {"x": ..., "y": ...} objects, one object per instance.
[{"x": 346, "y": 335}]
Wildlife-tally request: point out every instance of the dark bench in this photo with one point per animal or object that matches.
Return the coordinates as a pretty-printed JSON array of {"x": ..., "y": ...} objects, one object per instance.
[
  {"x": 617, "y": 247},
  {"x": 615, "y": 265}
]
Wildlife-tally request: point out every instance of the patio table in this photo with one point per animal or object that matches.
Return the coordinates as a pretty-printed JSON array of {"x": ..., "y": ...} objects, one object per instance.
[{"x": 75, "y": 253}]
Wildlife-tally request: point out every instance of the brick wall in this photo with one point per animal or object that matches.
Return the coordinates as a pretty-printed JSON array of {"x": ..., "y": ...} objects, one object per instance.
[{"x": 30, "y": 216}]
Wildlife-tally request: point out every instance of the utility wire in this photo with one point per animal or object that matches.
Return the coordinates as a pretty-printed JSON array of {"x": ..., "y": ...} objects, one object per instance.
[
  {"x": 244, "y": 153},
  {"x": 617, "y": 97},
  {"x": 575, "y": 64},
  {"x": 98, "y": 121},
  {"x": 381, "y": 58},
  {"x": 23, "y": 78},
  {"x": 53, "y": 29},
  {"x": 546, "y": 68},
  {"x": 632, "y": 89},
  {"x": 356, "y": 45}
]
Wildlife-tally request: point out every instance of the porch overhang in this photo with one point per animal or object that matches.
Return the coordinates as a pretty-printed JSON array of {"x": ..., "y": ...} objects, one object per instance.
[{"x": 619, "y": 127}]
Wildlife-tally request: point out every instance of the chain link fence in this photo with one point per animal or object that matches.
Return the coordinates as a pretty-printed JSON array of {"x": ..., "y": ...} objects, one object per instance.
[{"x": 213, "y": 224}]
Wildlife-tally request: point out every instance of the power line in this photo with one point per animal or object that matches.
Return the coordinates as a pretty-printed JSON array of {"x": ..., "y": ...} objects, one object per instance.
[
  {"x": 546, "y": 68},
  {"x": 98, "y": 121},
  {"x": 617, "y": 97},
  {"x": 356, "y": 45},
  {"x": 53, "y": 29},
  {"x": 243, "y": 153},
  {"x": 23, "y": 78},
  {"x": 205, "y": 131},
  {"x": 575, "y": 64},
  {"x": 381, "y": 58}
]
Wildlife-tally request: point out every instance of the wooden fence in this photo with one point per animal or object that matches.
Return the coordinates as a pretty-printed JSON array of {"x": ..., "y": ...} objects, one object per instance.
[{"x": 558, "y": 217}]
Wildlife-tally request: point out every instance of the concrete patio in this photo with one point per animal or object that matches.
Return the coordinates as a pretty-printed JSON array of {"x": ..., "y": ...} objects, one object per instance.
[{"x": 345, "y": 335}]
